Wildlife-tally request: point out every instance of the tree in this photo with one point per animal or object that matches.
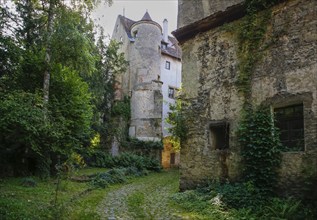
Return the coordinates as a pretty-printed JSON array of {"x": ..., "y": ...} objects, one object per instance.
[{"x": 55, "y": 41}]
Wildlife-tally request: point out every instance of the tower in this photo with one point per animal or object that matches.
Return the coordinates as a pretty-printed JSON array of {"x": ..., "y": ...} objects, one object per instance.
[{"x": 146, "y": 88}]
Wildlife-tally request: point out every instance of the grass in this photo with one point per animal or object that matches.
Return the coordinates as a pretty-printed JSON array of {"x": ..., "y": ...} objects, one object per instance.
[
  {"x": 23, "y": 202},
  {"x": 149, "y": 197}
]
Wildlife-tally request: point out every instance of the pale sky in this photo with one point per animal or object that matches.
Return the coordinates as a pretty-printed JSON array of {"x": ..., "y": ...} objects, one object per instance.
[{"x": 135, "y": 9}]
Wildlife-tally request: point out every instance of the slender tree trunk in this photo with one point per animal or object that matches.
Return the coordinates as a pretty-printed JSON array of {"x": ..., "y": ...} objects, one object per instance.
[{"x": 47, "y": 73}]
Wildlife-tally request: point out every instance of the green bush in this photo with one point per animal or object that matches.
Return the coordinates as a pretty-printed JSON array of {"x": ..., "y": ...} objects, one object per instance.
[
  {"x": 134, "y": 143},
  {"x": 102, "y": 159},
  {"x": 240, "y": 195},
  {"x": 285, "y": 209},
  {"x": 28, "y": 182},
  {"x": 116, "y": 175}
]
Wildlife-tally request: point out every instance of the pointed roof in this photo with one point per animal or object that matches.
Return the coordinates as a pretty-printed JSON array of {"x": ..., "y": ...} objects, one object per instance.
[{"x": 146, "y": 17}]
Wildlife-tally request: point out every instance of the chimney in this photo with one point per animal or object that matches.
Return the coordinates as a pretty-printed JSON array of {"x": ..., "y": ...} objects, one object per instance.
[{"x": 165, "y": 30}]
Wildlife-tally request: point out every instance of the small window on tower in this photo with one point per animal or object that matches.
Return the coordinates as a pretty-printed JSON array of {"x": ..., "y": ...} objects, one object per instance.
[
  {"x": 167, "y": 65},
  {"x": 164, "y": 46},
  {"x": 171, "y": 92},
  {"x": 135, "y": 34}
]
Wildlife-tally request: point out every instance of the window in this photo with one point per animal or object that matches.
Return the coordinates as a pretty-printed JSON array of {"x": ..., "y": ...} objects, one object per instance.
[
  {"x": 219, "y": 135},
  {"x": 135, "y": 34},
  {"x": 171, "y": 92},
  {"x": 290, "y": 121},
  {"x": 167, "y": 65},
  {"x": 164, "y": 46}
]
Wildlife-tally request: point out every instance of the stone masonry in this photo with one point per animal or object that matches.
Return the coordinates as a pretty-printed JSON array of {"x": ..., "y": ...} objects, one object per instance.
[{"x": 286, "y": 75}]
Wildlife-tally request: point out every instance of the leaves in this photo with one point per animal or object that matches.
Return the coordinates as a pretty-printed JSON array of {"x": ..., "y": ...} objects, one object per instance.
[{"x": 260, "y": 145}]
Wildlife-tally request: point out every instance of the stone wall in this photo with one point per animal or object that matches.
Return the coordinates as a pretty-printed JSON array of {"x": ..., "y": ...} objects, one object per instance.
[
  {"x": 199, "y": 9},
  {"x": 286, "y": 75}
]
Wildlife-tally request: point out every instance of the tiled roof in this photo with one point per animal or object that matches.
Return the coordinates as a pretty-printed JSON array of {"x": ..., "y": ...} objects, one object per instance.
[
  {"x": 127, "y": 23},
  {"x": 172, "y": 48}
]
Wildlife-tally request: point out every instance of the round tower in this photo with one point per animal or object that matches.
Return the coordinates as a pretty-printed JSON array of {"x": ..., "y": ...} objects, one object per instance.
[{"x": 145, "y": 84}]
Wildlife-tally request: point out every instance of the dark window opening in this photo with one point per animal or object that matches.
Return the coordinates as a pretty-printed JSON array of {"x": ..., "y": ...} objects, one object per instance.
[
  {"x": 135, "y": 34},
  {"x": 167, "y": 65},
  {"x": 290, "y": 122},
  {"x": 219, "y": 136},
  {"x": 171, "y": 92},
  {"x": 164, "y": 46},
  {"x": 172, "y": 159}
]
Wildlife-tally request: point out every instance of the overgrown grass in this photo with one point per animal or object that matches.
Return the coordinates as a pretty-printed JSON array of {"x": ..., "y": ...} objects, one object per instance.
[
  {"x": 237, "y": 201},
  {"x": 21, "y": 199}
]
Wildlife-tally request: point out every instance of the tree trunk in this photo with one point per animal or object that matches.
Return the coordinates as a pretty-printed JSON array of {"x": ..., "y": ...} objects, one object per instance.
[{"x": 47, "y": 73}]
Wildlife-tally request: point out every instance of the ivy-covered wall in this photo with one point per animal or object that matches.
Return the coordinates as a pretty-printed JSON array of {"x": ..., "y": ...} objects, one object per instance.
[{"x": 283, "y": 72}]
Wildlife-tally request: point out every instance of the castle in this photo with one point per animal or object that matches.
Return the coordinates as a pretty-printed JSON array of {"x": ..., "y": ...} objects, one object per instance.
[
  {"x": 284, "y": 78},
  {"x": 152, "y": 79}
]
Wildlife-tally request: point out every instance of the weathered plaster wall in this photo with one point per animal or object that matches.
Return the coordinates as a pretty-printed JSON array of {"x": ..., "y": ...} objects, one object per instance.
[
  {"x": 171, "y": 78},
  {"x": 287, "y": 74},
  {"x": 199, "y": 9},
  {"x": 146, "y": 99}
]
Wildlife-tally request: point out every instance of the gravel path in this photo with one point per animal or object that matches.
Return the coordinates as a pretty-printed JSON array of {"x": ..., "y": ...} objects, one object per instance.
[{"x": 144, "y": 198}]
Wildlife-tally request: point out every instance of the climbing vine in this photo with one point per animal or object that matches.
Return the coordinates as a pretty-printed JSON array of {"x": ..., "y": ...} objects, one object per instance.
[
  {"x": 260, "y": 145},
  {"x": 257, "y": 134},
  {"x": 251, "y": 34}
]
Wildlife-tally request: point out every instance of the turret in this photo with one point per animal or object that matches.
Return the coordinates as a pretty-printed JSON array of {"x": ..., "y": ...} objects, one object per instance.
[{"x": 146, "y": 98}]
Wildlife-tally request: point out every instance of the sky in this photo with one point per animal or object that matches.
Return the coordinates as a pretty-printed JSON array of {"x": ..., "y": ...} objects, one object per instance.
[{"x": 135, "y": 9}]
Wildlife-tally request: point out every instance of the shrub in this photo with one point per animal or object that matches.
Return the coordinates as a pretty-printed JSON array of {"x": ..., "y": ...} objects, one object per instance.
[
  {"x": 29, "y": 182},
  {"x": 240, "y": 195},
  {"x": 115, "y": 175},
  {"x": 102, "y": 159}
]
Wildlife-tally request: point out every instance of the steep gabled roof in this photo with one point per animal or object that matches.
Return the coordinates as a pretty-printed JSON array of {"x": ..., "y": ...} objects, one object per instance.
[
  {"x": 127, "y": 23},
  {"x": 146, "y": 17},
  {"x": 172, "y": 48}
]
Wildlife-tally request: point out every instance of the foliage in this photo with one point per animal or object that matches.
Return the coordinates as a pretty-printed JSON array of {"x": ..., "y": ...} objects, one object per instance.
[
  {"x": 134, "y": 143},
  {"x": 238, "y": 201},
  {"x": 116, "y": 175},
  {"x": 29, "y": 182},
  {"x": 260, "y": 151},
  {"x": 102, "y": 159},
  {"x": 258, "y": 5},
  {"x": 122, "y": 108},
  {"x": 284, "y": 209},
  {"x": 55, "y": 39},
  {"x": 177, "y": 120},
  {"x": 240, "y": 195},
  {"x": 251, "y": 33},
  {"x": 20, "y": 202}
]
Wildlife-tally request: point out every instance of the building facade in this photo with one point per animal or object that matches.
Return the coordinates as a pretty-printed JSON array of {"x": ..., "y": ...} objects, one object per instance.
[
  {"x": 283, "y": 78},
  {"x": 151, "y": 80}
]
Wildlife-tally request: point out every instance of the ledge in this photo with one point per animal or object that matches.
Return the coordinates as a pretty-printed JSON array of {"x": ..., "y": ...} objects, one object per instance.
[{"x": 230, "y": 14}]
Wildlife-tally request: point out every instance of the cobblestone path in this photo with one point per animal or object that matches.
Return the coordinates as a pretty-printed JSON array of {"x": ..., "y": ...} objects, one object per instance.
[{"x": 144, "y": 198}]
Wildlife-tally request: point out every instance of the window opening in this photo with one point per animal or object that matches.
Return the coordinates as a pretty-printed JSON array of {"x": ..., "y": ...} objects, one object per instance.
[
  {"x": 171, "y": 92},
  {"x": 219, "y": 136},
  {"x": 290, "y": 122},
  {"x": 135, "y": 34},
  {"x": 167, "y": 65}
]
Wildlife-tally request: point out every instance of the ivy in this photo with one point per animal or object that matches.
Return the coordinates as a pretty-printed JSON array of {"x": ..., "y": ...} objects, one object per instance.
[
  {"x": 257, "y": 136},
  {"x": 260, "y": 148},
  {"x": 251, "y": 34},
  {"x": 122, "y": 108}
]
